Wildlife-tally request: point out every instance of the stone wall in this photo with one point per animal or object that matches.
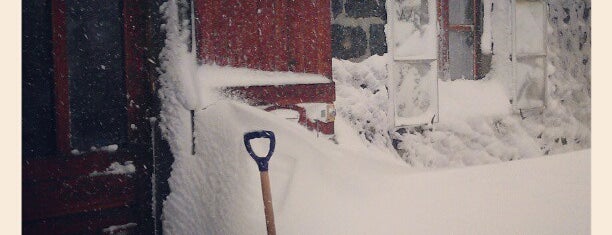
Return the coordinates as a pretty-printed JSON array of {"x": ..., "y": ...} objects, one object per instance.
[
  {"x": 358, "y": 29},
  {"x": 569, "y": 48}
]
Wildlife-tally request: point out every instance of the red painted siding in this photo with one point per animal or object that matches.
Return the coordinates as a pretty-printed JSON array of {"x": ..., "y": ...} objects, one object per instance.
[
  {"x": 272, "y": 35},
  {"x": 287, "y": 94}
]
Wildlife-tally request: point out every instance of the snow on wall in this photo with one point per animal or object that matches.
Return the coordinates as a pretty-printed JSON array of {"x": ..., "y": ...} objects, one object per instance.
[
  {"x": 177, "y": 66},
  {"x": 570, "y": 43},
  {"x": 566, "y": 119},
  {"x": 362, "y": 97},
  {"x": 475, "y": 130},
  {"x": 569, "y": 49},
  {"x": 476, "y": 123}
]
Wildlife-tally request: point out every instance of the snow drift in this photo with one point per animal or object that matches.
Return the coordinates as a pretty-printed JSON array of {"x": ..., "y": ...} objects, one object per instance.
[
  {"x": 322, "y": 188},
  {"x": 360, "y": 186},
  {"x": 476, "y": 125}
]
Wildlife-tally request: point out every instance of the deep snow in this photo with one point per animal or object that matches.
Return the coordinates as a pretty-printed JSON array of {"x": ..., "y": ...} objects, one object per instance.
[
  {"x": 475, "y": 126},
  {"x": 361, "y": 185},
  {"x": 322, "y": 188}
]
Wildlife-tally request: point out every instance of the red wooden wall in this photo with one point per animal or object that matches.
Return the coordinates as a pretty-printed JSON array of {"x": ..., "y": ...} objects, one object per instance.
[{"x": 271, "y": 35}]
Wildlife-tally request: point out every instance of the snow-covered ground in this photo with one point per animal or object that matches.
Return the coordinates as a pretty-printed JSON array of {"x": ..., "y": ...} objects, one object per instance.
[
  {"x": 380, "y": 180},
  {"x": 319, "y": 187},
  {"x": 476, "y": 123}
]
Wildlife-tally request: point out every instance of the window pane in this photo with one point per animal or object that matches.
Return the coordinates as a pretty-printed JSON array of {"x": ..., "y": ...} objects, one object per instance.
[
  {"x": 414, "y": 29},
  {"x": 530, "y": 27},
  {"x": 530, "y": 81},
  {"x": 461, "y": 55},
  {"x": 416, "y": 97},
  {"x": 38, "y": 116},
  {"x": 96, "y": 72},
  {"x": 460, "y": 12}
]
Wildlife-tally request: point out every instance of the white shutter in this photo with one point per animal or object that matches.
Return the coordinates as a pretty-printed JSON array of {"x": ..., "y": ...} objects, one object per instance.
[
  {"x": 529, "y": 25},
  {"x": 413, "y": 44}
]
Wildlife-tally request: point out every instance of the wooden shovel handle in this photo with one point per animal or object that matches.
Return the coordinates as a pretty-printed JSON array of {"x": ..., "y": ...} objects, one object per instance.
[{"x": 267, "y": 198}]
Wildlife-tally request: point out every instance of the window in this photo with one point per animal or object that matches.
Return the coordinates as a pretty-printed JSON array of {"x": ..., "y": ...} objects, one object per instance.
[
  {"x": 460, "y": 39},
  {"x": 529, "y": 50},
  {"x": 74, "y": 83},
  {"x": 95, "y": 57}
]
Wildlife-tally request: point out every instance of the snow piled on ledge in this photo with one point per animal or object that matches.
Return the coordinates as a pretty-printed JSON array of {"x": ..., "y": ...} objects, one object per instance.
[
  {"x": 210, "y": 80},
  {"x": 476, "y": 125},
  {"x": 221, "y": 76},
  {"x": 117, "y": 168}
]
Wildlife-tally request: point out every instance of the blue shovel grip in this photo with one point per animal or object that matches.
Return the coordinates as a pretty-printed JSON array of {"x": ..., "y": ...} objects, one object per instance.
[{"x": 262, "y": 162}]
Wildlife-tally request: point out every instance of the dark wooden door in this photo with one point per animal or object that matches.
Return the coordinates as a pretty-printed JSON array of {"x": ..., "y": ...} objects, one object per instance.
[{"x": 86, "y": 134}]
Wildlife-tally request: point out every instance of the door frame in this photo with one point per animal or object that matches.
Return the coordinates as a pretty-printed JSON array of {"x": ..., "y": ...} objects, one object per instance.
[{"x": 100, "y": 201}]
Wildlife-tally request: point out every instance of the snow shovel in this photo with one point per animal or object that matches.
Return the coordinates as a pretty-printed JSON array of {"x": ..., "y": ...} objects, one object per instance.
[{"x": 262, "y": 163}]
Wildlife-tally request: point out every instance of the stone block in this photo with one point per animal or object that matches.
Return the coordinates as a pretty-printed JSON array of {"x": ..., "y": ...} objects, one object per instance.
[
  {"x": 378, "y": 40},
  {"x": 365, "y": 8},
  {"x": 348, "y": 42},
  {"x": 336, "y": 7}
]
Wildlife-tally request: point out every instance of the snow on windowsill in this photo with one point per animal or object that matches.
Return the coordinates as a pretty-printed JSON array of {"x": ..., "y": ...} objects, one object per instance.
[
  {"x": 118, "y": 229},
  {"x": 117, "y": 168},
  {"x": 108, "y": 149},
  {"x": 215, "y": 76}
]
